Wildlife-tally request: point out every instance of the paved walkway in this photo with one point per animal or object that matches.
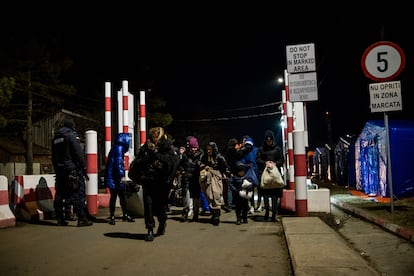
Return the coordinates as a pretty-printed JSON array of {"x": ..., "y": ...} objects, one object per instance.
[{"x": 341, "y": 202}]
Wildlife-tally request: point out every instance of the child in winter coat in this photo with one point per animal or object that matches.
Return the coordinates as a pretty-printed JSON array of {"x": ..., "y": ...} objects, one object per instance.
[{"x": 242, "y": 190}]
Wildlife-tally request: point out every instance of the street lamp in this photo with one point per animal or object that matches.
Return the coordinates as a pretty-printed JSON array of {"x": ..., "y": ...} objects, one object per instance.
[{"x": 280, "y": 80}]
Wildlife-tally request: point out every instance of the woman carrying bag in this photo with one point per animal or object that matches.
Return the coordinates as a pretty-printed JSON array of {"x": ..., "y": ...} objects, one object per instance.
[{"x": 270, "y": 153}]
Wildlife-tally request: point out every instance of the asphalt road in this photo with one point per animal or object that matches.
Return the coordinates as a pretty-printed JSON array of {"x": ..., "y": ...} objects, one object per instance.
[
  {"x": 187, "y": 248},
  {"x": 386, "y": 252}
]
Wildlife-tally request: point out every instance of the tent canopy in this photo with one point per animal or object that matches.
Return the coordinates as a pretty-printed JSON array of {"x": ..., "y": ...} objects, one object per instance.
[{"x": 371, "y": 158}]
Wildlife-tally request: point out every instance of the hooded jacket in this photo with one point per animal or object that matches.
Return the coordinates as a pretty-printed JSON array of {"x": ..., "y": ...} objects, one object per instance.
[
  {"x": 115, "y": 168},
  {"x": 270, "y": 152},
  {"x": 67, "y": 154},
  {"x": 216, "y": 161}
]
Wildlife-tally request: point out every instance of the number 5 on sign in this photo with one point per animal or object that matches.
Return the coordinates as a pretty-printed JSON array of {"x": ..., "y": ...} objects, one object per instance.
[{"x": 383, "y": 61}]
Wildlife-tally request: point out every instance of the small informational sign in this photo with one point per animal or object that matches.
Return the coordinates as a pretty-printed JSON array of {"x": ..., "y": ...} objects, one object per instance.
[
  {"x": 385, "y": 96},
  {"x": 303, "y": 87},
  {"x": 300, "y": 58}
]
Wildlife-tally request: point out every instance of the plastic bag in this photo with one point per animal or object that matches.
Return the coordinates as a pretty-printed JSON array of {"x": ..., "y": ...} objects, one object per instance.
[{"x": 271, "y": 178}]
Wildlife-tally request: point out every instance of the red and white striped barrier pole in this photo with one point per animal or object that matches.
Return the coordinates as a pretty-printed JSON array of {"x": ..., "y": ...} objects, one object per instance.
[
  {"x": 289, "y": 111},
  {"x": 91, "y": 150},
  {"x": 284, "y": 136},
  {"x": 301, "y": 190},
  {"x": 131, "y": 125},
  {"x": 18, "y": 191},
  {"x": 108, "y": 123},
  {"x": 125, "y": 124},
  {"x": 7, "y": 218},
  {"x": 142, "y": 118}
]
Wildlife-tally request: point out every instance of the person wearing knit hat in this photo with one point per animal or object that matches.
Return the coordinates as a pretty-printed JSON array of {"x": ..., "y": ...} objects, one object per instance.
[
  {"x": 193, "y": 143},
  {"x": 190, "y": 163}
]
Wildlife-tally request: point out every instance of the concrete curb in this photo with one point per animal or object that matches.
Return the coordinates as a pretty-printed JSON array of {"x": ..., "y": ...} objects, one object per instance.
[{"x": 403, "y": 232}]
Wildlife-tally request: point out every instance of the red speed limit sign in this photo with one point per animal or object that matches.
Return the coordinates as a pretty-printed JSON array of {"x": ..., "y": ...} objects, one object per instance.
[{"x": 383, "y": 61}]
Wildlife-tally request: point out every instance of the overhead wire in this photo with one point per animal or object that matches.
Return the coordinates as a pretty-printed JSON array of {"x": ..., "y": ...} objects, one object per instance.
[{"x": 237, "y": 117}]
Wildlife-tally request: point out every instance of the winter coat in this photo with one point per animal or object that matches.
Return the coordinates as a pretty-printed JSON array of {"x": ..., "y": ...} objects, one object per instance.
[
  {"x": 269, "y": 153},
  {"x": 216, "y": 161},
  {"x": 211, "y": 179},
  {"x": 67, "y": 154},
  {"x": 190, "y": 164},
  {"x": 142, "y": 169},
  {"x": 115, "y": 168},
  {"x": 166, "y": 164},
  {"x": 211, "y": 183},
  {"x": 249, "y": 158}
]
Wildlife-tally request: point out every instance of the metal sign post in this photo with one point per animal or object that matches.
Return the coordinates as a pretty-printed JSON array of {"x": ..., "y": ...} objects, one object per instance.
[{"x": 383, "y": 61}]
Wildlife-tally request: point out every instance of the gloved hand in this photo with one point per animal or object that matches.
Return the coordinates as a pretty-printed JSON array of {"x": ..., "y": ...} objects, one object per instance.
[
  {"x": 85, "y": 174},
  {"x": 136, "y": 187}
]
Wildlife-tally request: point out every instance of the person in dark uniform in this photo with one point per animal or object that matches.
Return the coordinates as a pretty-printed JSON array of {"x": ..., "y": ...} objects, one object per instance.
[{"x": 67, "y": 159}]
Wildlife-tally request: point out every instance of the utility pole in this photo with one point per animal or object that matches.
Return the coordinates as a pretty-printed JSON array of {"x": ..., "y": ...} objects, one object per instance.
[{"x": 29, "y": 131}]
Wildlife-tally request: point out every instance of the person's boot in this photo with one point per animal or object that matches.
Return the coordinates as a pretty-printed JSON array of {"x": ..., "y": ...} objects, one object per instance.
[
  {"x": 60, "y": 219},
  {"x": 195, "y": 216},
  {"x": 274, "y": 219},
  {"x": 61, "y": 222},
  {"x": 112, "y": 220},
  {"x": 266, "y": 216},
  {"x": 161, "y": 228},
  {"x": 226, "y": 209},
  {"x": 84, "y": 222},
  {"x": 89, "y": 216},
  {"x": 70, "y": 217},
  {"x": 184, "y": 216},
  {"x": 150, "y": 235},
  {"x": 216, "y": 217},
  {"x": 127, "y": 218}
]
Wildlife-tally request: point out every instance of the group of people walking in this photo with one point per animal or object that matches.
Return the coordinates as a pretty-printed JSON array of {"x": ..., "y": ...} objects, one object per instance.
[{"x": 226, "y": 179}]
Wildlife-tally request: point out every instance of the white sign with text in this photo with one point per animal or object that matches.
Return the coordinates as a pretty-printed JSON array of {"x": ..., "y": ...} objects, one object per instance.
[
  {"x": 303, "y": 87},
  {"x": 385, "y": 96},
  {"x": 300, "y": 58}
]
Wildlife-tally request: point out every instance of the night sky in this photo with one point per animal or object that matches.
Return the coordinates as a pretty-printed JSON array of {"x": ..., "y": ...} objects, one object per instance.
[{"x": 212, "y": 64}]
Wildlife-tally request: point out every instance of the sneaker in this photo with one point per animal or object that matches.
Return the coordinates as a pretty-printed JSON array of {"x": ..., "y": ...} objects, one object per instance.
[
  {"x": 205, "y": 213},
  {"x": 161, "y": 229},
  {"x": 149, "y": 236},
  {"x": 184, "y": 216},
  {"x": 70, "y": 217},
  {"x": 127, "y": 218},
  {"x": 84, "y": 222},
  {"x": 258, "y": 210},
  {"x": 62, "y": 223},
  {"x": 274, "y": 219},
  {"x": 190, "y": 213},
  {"x": 251, "y": 211},
  {"x": 112, "y": 220},
  {"x": 238, "y": 222},
  {"x": 195, "y": 218}
]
